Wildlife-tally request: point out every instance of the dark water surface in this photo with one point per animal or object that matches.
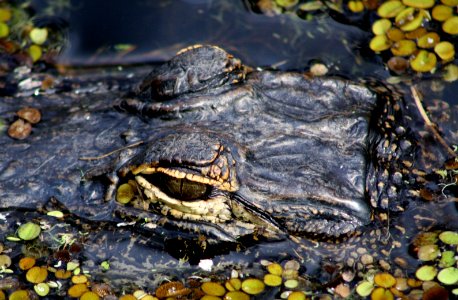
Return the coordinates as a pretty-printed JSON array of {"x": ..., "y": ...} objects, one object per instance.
[{"x": 158, "y": 29}]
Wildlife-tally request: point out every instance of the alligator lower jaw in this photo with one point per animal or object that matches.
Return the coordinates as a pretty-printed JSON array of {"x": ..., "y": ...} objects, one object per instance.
[{"x": 323, "y": 220}]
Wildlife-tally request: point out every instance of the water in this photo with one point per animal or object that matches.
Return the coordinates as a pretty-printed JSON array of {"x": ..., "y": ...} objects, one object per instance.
[
  {"x": 100, "y": 33},
  {"x": 284, "y": 41}
]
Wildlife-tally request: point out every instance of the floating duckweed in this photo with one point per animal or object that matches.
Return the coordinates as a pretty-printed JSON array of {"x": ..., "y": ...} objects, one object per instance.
[
  {"x": 38, "y": 35},
  {"x": 172, "y": 289},
  {"x": 127, "y": 297},
  {"x": 105, "y": 265},
  {"x": 426, "y": 273},
  {"x": 310, "y": 6},
  {"x": 209, "y": 297},
  {"x": 395, "y": 34},
  {"x": 290, "y": 274},
  {"x": 428, "y": 252},
  {"x": 381, "y": 26},
  {"x": 398, "y": 294},
  {"x": 426, "y": 238},
  {"x": 364, "y": 288},
  {"x": 318, "y": 69},
  {"x": 292, "y": 265},
  {"x": 385, "y": 280},
  {"x": 409, "y": 19},
  {"x": 416, "y": 34},
  {"x": 213, "y": 289},
  {"x": 53, "y": 284},
  {"x": 449, "y": 237},
  {"x": 4, "y": 30},
  {"x": 398, "y": 64},
  {"x": 275, "y": 269},
  {"x": 79, "y": 279},
  {"x": 89, "y": 296},
  {"x": 62, "y": 274},
  {"x": 451, "y": 25},
  {"x": 448, "y": 276},
  {"x": 451, "y": 73},
  {"x": 36, "y": 274},
  {"x": 414, "y": 283},
  {"x": 72, "y": 265},
  {"x": 236, "y": 295},
  {"x": 429, "y": 40},
  {"x": 19, "y": 295},
  {"x": 380, "y": 43},
  {"x": 42, "y": 289},
  {"x": 272, "y": 280},
  {"x": 382, "y": 294},
  {"x": 77, "y": 290},
  {"x": 29, "y": 231},
  {"x": 286, "y": 3},
  {"x": 125, "y": 193},
  {"x": 401, "y": 284},
  {"x": 253, "y": 286},
  {"x": 297, "y": 295},
  {"x": 390, "y": 9},
  {"x": 403, "y": 48},
  {"x": 5, "y": 14},
  {"x": 442, "y": 12},
  {"x": 419, "y": 3},
  {"x": 424, "y": 61},
  {"x": 30, "y": 114},
  {"x": 445, "y": 50},
  {"x": 139, "y": 294},
  {"x": 450, "y": 2},
  {"x": 56, "y": 214},
  {"x": 291, "y": 283},
  {"x": 356, "y": 6},
  {"x": 233, "y": 284},
  {"x": 436, "y": 292},
  {"x": 404, "y": 16},
  {"x": 5, "y": 261},
  {"x": 20, "y": 130},
  {"x": 35, "y": 52},
  {"x": 447, "y": 259},
  {"x": 26, "y": 263}
]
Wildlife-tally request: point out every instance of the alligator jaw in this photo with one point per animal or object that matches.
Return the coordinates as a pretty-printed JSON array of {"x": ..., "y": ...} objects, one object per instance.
[{"x": 327, "y": 220}]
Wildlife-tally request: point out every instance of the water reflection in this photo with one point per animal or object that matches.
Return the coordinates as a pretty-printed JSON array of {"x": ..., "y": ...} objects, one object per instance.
[{"x": 157, "y": 29}]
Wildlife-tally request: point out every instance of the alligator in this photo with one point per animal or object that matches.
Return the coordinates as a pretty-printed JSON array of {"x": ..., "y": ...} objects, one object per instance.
[
  {"x": 272, "y": 152},
  {"x": 210, "y": 147}
]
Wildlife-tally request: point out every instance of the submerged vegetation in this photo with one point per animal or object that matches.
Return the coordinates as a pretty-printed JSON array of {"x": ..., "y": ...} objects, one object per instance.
[
  {"x": 52, "y": 265},
  {"x": 29, "y": 37}
]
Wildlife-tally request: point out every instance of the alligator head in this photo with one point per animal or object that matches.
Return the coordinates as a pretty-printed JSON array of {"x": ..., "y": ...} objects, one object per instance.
[{"x": 272, "y": 152}]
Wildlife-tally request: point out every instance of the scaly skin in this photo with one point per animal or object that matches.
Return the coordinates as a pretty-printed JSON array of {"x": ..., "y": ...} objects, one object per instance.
[{"x": 281, "y": 152}]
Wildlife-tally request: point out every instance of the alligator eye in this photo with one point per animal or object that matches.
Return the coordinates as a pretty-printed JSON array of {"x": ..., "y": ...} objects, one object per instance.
[{"x": 182, "y": 189}]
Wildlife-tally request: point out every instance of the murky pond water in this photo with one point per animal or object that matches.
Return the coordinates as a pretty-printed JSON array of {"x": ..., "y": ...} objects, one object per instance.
[{"x": 109, "y": 49}]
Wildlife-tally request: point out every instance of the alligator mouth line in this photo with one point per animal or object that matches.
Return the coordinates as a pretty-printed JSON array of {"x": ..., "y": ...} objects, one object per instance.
[
  {"x": 221, "y": 184},
  {"x": 191, "y": 197}
]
